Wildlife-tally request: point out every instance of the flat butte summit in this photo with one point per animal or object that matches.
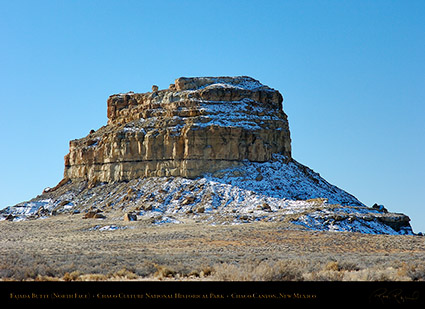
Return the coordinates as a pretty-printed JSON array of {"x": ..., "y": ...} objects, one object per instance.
[{"x": 210, "y": 149}]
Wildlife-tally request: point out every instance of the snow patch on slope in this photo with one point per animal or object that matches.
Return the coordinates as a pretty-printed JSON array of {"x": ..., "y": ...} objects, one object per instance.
[
  {"x": 281, "y": 178},
  {"x": 281, "y": 190}
]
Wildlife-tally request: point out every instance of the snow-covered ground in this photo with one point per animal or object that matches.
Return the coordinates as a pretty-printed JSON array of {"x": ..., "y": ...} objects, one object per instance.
[{"x": 280, "y": 191}]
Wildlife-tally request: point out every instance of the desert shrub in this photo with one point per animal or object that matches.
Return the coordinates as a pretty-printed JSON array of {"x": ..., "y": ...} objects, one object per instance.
[
  {"x": 206, "y": 271},
  {"x": 324, "y": 275},
  {"x": 341, "y": 265},
  {"x": 415, "y": 272},
  {"x": 163, "y": 272},
  {"x": 280, "y": 271},
  {"x": 93, "y": 277},
  {"x": 73, "y": 276},
  {"x": 126, "y": 274},
  {"x": 375, "y": 274},
  {"x": 201, "y": 272},
  {"x": 332, "y": 266},
  {"x": 331, "y": 271},
  {"x": 263, "y": 271},
  {"x": 45, "y": 278},
  {"x": 144, "y": 269},
  {"x": 348, "y": 265},
  {"x": 228, "y": 272}
]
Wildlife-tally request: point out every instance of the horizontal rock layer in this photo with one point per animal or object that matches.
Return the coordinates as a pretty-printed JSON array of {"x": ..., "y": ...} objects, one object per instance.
[{"x": 198, "y": 125}]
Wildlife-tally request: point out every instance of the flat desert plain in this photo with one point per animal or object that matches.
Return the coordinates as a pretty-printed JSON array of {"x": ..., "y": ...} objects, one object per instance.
[{"x": 69, "y": 248}]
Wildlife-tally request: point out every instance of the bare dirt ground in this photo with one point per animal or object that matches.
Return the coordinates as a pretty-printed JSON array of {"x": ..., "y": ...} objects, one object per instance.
[{"x": 67, "y": 247}]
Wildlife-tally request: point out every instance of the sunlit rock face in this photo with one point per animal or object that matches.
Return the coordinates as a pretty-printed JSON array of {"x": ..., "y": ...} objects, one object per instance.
[
  {"x": 211, "y": 149},
  {"x": 197, "y": 125}
]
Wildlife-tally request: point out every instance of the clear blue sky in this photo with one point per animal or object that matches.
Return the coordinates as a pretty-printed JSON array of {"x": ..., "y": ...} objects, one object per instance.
[{"x": 352, "y": 74}]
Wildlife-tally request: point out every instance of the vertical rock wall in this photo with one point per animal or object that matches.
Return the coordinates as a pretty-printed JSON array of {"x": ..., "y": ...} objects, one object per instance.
[{"x": 198, "y": 125}]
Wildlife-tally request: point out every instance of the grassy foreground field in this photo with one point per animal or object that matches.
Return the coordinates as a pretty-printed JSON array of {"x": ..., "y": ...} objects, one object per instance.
[{"x": 69, "y": 248}]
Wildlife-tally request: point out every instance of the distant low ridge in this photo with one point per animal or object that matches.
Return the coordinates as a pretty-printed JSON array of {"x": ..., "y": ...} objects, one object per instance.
[{"x": 213, "y": 149}]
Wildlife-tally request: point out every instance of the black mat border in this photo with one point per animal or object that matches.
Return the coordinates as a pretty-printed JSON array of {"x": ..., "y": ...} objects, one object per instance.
[{"x": 16, "y": 293}]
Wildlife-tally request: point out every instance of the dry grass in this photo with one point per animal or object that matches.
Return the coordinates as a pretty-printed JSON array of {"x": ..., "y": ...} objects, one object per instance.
[{"x": 64, "y": 248}]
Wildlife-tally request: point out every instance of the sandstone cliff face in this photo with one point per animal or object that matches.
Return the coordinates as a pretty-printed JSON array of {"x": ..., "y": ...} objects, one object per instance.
[{"x": 198, "y": 125}]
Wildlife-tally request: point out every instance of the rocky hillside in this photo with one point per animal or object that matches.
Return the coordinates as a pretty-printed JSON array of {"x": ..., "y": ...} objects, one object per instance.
[{"x": 215, "y": 149}]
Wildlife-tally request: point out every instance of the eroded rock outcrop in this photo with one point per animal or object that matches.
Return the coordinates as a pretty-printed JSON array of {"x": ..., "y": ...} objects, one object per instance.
[
  {"x": 198, "y": 125},
  {"x": 210, "y": 149}
]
